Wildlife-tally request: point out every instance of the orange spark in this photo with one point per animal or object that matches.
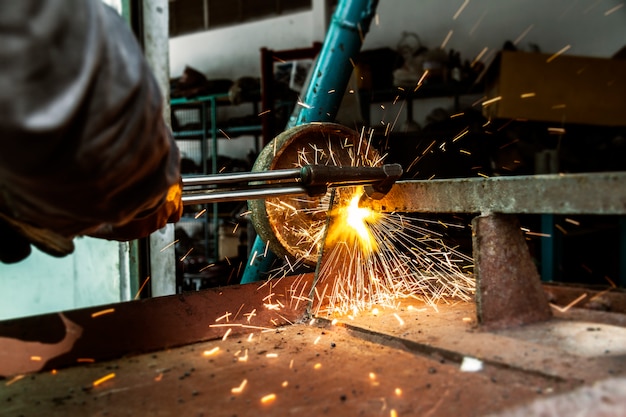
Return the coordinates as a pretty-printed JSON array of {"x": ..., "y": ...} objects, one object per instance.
[
  {"x": 227, "y": 334},
  {"x": 269, "y": 398},
  {"x": 102, "y": 312},
  {"x": 239, "y": 389},
  {"x": 560, "y": 52},
  {"x": 211, "y": 352},
  {"x": 103, "y": 379}
]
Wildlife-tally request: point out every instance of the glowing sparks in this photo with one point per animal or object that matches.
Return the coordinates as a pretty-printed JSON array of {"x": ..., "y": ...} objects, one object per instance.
[
  {"x": 211, "y": 352},
  {"x": 523, "y": 34},
  {"x": 228, "y": 332},
  {"x": 185, "y": 255},
  {"x": 239, "y": 389},
  {"x": 102, "y": 312},
  {"x": 479, "y": 56},
  {"x": 369, "y": 259},
  {"x": 614, "y": 9},
  {"x": 198, "y": 215},
  {"x": 558, "y": 53},
  {"x": 400, "y": 321},
  {"x": 458, "y": 12},
  {"x": 224, "y": 316},
  {"x": 271, "y": 355},
  {"x": 103, "y": 379},
  {"x": 317, "y": 340},
  {"x": 527, "y": 95},
  {"x": 35, "y": 358},
  {"x": 317, "y": 366},
  {"x": 350, "y": 225},
  {"x": 244, "y": 357},
  {"x": 268, "y": 399},
  {"x": 570, "y": 305},
  {"x": 398, "y": 392},
  {"x": 491, "y": 101},
  {"x": 169, "y": 245},
  {"x": 141, "y": 288},
  {"x": 85, "y": 360},
  {"x": 556, "y": 130},
  {"x": 13, "y": 380},
  {"x": 393, "y": 413},
  {"x": 284, "y": 384},
  {"x": 445, "y": 41}
]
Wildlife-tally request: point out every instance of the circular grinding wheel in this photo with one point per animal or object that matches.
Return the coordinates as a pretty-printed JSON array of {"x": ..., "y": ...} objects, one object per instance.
[{"x": 293, "y": 226}]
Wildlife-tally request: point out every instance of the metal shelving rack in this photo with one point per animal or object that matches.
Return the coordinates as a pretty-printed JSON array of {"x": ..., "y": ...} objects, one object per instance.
[{"x": 209, "y": 132}]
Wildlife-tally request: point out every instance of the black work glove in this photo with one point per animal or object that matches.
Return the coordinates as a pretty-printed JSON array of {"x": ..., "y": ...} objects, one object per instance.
[
  {"x": 169, "y": 211},
  {"x": 16, "y": 238}
]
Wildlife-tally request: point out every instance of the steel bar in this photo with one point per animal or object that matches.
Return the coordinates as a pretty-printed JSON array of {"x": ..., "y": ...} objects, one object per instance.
[
  {"x": 220, "y": 196},
  {"x": 233, "y": 177},
  {"x": 594, "y": 193}
]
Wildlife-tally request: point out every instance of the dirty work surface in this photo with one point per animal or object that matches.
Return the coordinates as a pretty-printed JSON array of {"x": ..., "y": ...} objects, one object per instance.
[{"x": 369, "y": 366}]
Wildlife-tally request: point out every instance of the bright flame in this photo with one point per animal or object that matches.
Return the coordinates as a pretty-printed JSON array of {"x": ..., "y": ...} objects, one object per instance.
[{"x": 351, "y": 225}]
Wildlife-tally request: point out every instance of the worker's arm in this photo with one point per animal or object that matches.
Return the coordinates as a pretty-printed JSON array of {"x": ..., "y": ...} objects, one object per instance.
[{"x": 84, "y": 148}]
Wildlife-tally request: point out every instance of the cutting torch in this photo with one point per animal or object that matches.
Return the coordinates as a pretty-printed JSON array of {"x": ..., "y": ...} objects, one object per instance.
[{"x": 312, "y": 180}]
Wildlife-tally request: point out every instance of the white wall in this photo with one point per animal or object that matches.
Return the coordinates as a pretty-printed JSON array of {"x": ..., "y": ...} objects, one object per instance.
[
  {"x": 234, "y": 52},
  {"x": 92, "y": 275},
  {"x": 489, "y": 23}
]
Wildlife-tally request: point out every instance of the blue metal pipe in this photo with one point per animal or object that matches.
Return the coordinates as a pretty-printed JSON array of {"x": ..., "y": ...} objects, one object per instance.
[
  {"x": 333, "y": 68},
  {"x": 329, "y": 79}
]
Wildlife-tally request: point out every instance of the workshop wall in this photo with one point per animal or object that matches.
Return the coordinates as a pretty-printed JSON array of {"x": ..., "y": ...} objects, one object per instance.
[
  {"x": 92, "y": 275},
  {"x": 590, "y": 27}
]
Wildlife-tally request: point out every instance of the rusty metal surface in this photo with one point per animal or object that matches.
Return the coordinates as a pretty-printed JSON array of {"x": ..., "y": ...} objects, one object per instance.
[
  {"x": 53, "y": 341},
  {"x": 596, "y": 193},
  {"x": 604, "y": 399},
  {"x": 406, "y": 359},
  {"x": 311, "y": 370},
  {"x": 452, "y": 333},
  {"x": 315, "y": 143},
  {"x": 508, "y": 286},
  {"x": 367, "y": 365}
]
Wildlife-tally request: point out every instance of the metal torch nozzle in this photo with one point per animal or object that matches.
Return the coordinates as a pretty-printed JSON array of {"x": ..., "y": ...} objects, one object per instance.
[{"x": 378, "y": 190}]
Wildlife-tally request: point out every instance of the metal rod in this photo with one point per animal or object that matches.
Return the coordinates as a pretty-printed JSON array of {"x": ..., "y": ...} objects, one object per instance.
[
  {"x": 232, "y": 177},
  {"x": 220, "y": 196},
  {"x": 595, "y": 193}
]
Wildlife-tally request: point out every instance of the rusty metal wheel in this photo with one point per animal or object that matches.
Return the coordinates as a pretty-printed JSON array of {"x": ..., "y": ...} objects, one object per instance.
[{"x": 293, "y": 226}]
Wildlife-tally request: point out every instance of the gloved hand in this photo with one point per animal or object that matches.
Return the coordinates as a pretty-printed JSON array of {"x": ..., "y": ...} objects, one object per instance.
[
  {"x": 16, "y": 238},
  {"x": 169, "y": 211}
]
